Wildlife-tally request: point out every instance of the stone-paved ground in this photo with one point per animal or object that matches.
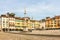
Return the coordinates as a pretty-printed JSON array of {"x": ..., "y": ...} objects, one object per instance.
[
  {"x": 50, "y": 32},
  {"x": 9, "y": 36}
]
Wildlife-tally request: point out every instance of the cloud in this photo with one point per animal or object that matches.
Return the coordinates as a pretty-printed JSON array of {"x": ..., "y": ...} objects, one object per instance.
[
  {"x": 39, "y": 9},
  {"x": 44, "y": 9}
]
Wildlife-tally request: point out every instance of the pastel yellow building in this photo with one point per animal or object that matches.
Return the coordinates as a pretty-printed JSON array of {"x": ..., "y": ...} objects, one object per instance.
[
  {"x": 27, "y": 23},
  {"x": 21, "y": 23},
  {"x": 17, "y": 22},
  {"x": 35, "y": 24}
]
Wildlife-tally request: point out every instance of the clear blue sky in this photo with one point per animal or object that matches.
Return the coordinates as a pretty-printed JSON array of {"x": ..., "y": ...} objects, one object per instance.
[{"x": 39, "y": 9}]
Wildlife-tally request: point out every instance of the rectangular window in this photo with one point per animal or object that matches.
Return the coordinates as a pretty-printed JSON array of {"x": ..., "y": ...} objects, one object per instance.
[
  {"x": 3, "y": 25},
  {"x": 3, "y": 21},
  {"x": 58, "y": 24},
  {"x": 51, "y": 25},
  {"x": 18, "y": 23},
  {"x": 54, "y": 25}
]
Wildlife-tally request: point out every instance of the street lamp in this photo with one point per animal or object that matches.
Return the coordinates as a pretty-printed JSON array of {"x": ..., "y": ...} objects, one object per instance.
[{"x": 24, "y": 19}]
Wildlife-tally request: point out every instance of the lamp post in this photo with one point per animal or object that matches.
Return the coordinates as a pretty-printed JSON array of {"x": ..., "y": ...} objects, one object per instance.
[
  {"x": 32, "y": 24},
  {"x": 24, "y": 19}
]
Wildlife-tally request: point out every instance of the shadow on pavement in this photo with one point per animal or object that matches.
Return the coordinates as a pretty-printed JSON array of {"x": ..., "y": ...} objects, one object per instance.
[{"x": 26, "y": 33}]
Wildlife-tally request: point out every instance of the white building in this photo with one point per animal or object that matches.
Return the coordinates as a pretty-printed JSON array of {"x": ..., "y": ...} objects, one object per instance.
[
  {"x": 7, "y": 21},
  {"x": 42, "y": 24}
]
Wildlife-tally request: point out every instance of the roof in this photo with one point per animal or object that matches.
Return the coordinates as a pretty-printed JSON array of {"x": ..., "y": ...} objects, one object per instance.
[{"x": 26, "y": 17}]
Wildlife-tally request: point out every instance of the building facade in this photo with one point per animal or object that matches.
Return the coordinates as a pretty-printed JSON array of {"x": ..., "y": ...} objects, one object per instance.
[
  {"x": 9, "y": 22},
  {"x": 42, "y": 24},
  {"x": 4, "y": 22},
  {"x": 53, "y": 23}
]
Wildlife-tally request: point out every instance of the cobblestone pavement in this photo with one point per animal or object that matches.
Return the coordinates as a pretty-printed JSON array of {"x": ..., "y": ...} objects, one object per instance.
[
  {"x": 49, "y": 32},
  {"x": 10, "y": 36}
]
